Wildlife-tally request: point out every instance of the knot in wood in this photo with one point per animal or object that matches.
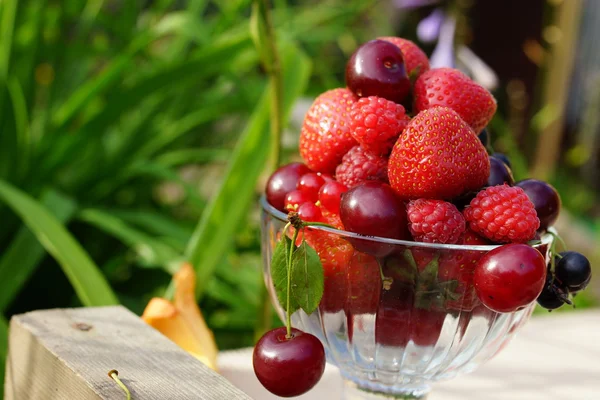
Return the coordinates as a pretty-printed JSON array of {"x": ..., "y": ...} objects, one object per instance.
[{"x": 82, "y": 326}]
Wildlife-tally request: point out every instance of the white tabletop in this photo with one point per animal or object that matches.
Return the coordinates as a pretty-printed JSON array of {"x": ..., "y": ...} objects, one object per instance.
[{"x": 555, "y": 356}]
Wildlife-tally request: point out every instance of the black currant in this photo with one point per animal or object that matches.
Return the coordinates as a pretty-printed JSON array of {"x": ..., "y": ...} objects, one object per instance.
[
  {"x": 573, "y": 270},
  {"x": 550, "y": 298}
]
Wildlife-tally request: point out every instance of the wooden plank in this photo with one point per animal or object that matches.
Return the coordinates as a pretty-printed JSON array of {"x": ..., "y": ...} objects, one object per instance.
[{"x": 67, "y": 353}]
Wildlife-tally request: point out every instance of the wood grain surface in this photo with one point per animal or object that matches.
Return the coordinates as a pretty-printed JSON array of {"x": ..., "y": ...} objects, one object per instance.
[{"x": 66, "y": 354}]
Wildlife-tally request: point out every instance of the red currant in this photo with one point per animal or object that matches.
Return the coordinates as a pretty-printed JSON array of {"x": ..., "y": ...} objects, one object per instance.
[
  {"x": 326, "y": 177},
  {"x": 330, "y": 196},
  {"x": 510, "y": 277},
  {"x": 310, "y": 212},
  {"x": 310, "y": 184},
  {"x": 282, "y": 182},
  {"x": 294, "y": 199},
  {"x": 288, "y": 367}
]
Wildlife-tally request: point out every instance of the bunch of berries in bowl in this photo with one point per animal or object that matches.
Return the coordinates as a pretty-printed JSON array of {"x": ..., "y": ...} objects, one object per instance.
[{"x": 400, "y": 250}]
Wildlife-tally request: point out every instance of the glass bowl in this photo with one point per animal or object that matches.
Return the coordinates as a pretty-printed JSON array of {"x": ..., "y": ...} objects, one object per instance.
[{"x": 396, "y": 315}]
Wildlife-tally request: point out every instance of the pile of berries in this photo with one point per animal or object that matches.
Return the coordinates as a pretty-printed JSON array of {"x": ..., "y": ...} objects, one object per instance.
[{"x": 401, "y": 153}]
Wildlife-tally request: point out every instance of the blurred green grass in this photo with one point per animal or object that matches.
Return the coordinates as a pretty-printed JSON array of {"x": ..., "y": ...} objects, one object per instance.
[
  {"x": 113, "y": 115},
  {"x": 135, "y": 133}
]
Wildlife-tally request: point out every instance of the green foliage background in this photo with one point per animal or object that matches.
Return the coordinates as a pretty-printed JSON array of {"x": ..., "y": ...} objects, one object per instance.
[{"x": 135, "y": 134}]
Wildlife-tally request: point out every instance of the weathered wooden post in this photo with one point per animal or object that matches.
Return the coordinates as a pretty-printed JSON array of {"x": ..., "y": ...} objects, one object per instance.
[{"x": 67, "y": 354}]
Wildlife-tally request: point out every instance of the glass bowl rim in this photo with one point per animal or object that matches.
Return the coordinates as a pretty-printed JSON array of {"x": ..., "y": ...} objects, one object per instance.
[{"x": 269, "y": 209}]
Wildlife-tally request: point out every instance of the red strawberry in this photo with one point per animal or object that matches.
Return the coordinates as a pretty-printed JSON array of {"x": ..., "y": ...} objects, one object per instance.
[
  {"x": 454, "y": 278},
  {"x": 325, "y": 135},
  {"x": 503, "y": 214},
  {"x": 448, "y": 87},
  {"x": 426, "y": 326},
  {"x": 358, "y": 166},
  {"x": 392, "y": 324},
  {"x": 397, "y": 324},
  {"x": 434, "y": 221},
  {"x": 415, "y": 59},
  {"x": 376, "y": 123},
  {"x": 364, "y": 284},
  {"x": 437, "y": 157},
  {"x": 332, "y": 218},
  {"x": 459, "y": 266},
  {"x": 334, "y": 253}
]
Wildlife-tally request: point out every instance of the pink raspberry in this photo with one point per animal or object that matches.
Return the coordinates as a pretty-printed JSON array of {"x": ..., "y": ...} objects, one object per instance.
[
  {"x": 376, "y": 123},
  {"x": 503, "y": 214},
  {"x": 358, "y": 166},
  {"x": 435, "y": 221}
]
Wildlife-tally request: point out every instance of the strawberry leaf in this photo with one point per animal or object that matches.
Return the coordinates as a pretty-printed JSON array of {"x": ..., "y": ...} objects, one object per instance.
[
  {"x": 449, "y": 288},
  {"x": 279, "y": 273},
  {"x": 307, "y": 278}
]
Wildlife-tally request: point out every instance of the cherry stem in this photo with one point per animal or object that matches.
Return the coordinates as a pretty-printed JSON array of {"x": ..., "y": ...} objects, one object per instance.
[
  {"x": 298, "y": 223},
  {"x": 288, "y": 321},
  {"x": 320, "y": 224},
  {"x": 553, "y": 246},
  {"x": 114, "y": 375}
]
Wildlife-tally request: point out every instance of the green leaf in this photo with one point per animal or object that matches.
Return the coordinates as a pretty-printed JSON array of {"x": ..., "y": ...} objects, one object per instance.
[
  {"x": 7, "y": 24},
  {"x": 85, "y": 277},
  {"x": 430, "y": 272},
  {"x": 161, "y": 172},
  {"x": 155, "y": 222},
  {"x": 307, "y": 278},
  {"x": 111, "y": 75},
  {"x": 229, "y": 206},
  {"x": 23, "y": 139},
  {"x": 259, "y": 33},
  {"x": 24, "y": 253},
  {"x": 427, "y": 294},
  {"x": 279, "y": 273},
  {"x": 179, "y": 157},
  {"x": 408, "y": 256},
  {"x": 151, "y": 252}
]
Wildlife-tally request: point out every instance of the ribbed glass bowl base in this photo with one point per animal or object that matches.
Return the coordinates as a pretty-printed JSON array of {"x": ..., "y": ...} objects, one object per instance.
[{"x": 367, "y": 390}]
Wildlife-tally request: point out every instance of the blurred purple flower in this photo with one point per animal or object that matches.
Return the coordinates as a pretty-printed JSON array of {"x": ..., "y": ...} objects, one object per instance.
[
  {"x": 414, "y": 3},
  {"x": 443, "y": 54},
  {"x": 441, "y": 27},
  {"x": 476, "y": 68},
  {"x": 429, "y": 28}
]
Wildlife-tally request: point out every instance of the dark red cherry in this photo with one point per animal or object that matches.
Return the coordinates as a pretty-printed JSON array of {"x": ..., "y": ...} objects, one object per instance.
[
  {"x": 500, "y": 173},
  {"x": 283, "y": 181},
  {"x": 377, "y": 69},
  {"x": 502, "y": 157},
  {"x": 373, "y": 209},
  {"x": 510, "y": 277},
  {"x": 288, "y": 367},
  {"x": 545, "y": 199}
]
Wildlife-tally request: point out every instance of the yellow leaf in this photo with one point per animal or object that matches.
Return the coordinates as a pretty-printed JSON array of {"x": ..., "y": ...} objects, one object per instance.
[{"x": 182, "y": 321}]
